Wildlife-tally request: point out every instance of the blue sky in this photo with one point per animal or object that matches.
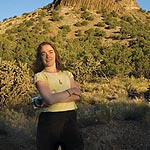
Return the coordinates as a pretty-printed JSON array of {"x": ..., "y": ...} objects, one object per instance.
[{"x": 11, "y": 8}]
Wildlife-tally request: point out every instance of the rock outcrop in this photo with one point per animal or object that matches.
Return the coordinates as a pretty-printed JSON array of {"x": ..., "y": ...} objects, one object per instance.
[{"x": 110, "y": 5}]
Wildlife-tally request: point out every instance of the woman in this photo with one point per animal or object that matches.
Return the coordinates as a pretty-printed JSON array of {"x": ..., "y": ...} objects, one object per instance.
[{"x": 57, "y": 124}]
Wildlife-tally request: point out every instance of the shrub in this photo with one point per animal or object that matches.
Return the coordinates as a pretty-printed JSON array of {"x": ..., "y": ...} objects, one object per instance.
[
  {"x": 100, "y": 24},
  {"x": 83, "y": 8},
  {"x": 65, "y": 28},
  {"x": 83, "y": 23},
  {"x": 55, "y": 16},
  {"x": 132, "y": 110},
  {"x": 99, "y": 32},
  {"x": 90, "y": 31},
  {"x": 16, "y": 84},
  {"x": 87, "y": 16},
  {"x": 78, "y": 33}
]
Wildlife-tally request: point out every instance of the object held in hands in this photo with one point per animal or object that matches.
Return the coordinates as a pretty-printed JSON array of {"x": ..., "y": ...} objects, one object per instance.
[{"x": 37, "y": 102}]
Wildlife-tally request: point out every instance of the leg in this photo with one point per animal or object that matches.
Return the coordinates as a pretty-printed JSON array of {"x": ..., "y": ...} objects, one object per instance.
[
  {"x": 71, "y": 137},
  {"x": 46, "y": 133}
]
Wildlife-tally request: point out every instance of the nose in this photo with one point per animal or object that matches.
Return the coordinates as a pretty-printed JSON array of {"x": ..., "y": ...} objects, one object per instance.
[{"x": 47, "y": 55}]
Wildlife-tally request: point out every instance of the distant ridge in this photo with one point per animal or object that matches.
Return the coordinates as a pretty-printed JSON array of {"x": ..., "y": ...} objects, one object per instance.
[{"x": 110, "y": 5}]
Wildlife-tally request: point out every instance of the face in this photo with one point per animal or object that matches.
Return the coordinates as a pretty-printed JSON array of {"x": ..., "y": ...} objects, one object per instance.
[{"x": 48, "y": 56}]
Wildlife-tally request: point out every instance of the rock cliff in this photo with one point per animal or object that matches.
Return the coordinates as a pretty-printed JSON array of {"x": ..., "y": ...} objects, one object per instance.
[{"x": 110, "y": 5}]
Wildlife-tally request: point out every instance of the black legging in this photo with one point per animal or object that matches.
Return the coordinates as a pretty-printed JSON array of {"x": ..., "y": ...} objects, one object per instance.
[{"x": 58, "y": 129}]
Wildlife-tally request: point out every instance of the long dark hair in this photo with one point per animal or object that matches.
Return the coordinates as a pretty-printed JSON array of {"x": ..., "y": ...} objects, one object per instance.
[{"x": 38, "y": 65}]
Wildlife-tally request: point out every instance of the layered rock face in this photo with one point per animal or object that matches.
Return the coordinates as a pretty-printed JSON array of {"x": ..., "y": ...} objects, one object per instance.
[{"x": 110, "y": 5}]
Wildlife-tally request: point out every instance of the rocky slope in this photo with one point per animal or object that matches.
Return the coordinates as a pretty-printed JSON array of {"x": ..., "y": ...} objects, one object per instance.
[{"x": 111, "y": 5}]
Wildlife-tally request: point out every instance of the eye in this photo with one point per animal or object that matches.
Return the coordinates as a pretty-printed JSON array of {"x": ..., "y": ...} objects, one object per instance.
[
  {"x": 51, "y": 51},
  {"x": 43, "y": 54}
]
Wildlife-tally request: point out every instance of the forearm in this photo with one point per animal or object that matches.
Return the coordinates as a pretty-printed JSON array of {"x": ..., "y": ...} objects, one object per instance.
[
  {"x": 71, "y": 98},
  {"x": 52, "y": 98},
  {"x": 49, "y": 98},
  {"x": 61, "y": 97}
]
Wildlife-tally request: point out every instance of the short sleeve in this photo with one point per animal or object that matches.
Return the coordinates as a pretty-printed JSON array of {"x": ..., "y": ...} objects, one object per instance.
[
  {"x": 69, "y": 74},
  {"x": 39, "y": 77}
]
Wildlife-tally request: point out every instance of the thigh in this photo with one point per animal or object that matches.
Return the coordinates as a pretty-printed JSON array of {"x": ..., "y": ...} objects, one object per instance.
[
  {"x": 72, "y": 139},
  {"x": 47, "y": 135}
]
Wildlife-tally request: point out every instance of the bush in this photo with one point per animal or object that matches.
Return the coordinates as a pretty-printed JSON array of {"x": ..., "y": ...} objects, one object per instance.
[
  {"x": 83, "y": 23},
  {"x": 65, "y": 28},
  {"x": 78, "y": 33},
  {"x": 55, "y": 16},
  {"x": 87, "y": 16},
  {"x": 100, "y": 24},
  {"x": 16, "y": 84},
  {"x": 99, "y": 32},
  {"x": 129, "y": 110}
]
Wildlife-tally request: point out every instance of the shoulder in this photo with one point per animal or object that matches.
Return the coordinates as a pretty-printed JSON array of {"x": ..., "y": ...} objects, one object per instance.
[
  {"x": 68, "y": 73},
  {"x": 40, "y": 76}
]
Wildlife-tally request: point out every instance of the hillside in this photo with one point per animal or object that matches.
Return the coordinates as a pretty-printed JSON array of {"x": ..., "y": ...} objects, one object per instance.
[
  {"x": 70, "y": 10},
  {"x": 106, "y": 28},
  {"x": 106, "y": 45}
]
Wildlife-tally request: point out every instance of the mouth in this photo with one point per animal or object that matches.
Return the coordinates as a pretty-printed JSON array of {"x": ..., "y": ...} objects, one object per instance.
[{"x": 48, "y": 60}]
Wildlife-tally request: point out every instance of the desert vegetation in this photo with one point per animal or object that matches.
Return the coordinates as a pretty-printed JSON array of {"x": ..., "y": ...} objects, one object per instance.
[{"x": 109, "y": 55}]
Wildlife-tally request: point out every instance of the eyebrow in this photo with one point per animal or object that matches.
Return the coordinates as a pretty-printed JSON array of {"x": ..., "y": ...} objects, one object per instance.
[{"x": 48, "y": 50}]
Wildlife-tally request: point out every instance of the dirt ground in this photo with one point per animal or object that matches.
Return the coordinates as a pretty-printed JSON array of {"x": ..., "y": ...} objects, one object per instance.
[{"x": 115, "y": 135}]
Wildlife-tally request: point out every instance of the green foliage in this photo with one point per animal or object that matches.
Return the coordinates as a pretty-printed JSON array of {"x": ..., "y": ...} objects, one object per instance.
[
  {"x": 84, "y": 60},
  {"x": 29, "y": 22},
  {"x": 100, "y": 24},
  {"x": 57, "y": 7},
  {"x": 65, "y": 28},
  {"x": 16, "y": 83},
  {"x": 141, "y": 63},
  {"x": 130, "y": 56},
  {"x": 87, "y": 16},
  {"x": 116, "y": 60},
  {"x": 90, "y": 32},
  {"x": 110, "y": 22},
  {"x": 128, "y": 19},
  {"x": 6, "y": 47},
  {"x": 43, "y": 14},
  {"x": 55, "y": 16},
  {"x": 95, "y": 32},
  {"x": 78, "y": 33},
  {"x": 79, "y": 24},
  {"x": 83, "y": 8},
  {"x": 5, "y": 19},
  {"x": 135, "y": 110},
  {"x": 99, "y": 32},
  {"x": 25, "y": 14}
]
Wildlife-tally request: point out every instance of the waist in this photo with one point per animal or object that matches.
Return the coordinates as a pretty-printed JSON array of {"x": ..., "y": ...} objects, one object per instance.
[{"x": 59, "y": 107}]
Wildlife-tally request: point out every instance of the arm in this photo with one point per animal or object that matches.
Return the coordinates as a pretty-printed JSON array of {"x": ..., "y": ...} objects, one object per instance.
[
  {"x": 75, "y": 92},
  {"x": 64, "y": 96}
]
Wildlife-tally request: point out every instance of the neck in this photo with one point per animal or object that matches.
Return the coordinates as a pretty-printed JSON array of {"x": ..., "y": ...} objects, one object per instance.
[{"x": 51, "y": 70}]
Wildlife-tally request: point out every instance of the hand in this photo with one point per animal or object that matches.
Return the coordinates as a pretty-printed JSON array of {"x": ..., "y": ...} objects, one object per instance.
[
  {"x": 75, "y": 91},
  {"x": 44, "y": 104}
]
